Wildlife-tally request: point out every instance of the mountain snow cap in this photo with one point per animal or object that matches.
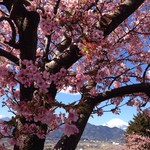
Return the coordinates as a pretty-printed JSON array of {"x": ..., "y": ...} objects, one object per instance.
[{"x": 116, "y": 122}]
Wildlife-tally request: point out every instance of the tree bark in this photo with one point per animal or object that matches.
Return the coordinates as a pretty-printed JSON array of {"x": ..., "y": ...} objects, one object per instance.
[
  {"x": 31, "y": 143},
  {"x": 27, "y": 23},
  {"x": 115, "y": 18},
  {"x": 121, "y": 91},
  {"x": 9, "y": 56}
]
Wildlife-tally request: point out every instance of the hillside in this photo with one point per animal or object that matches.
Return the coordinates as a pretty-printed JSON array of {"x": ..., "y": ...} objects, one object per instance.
[{"x": 92, "y": 132}]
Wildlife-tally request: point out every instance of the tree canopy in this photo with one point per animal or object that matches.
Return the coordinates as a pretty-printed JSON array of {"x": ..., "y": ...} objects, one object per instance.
[{"x": 99, "y": 48}]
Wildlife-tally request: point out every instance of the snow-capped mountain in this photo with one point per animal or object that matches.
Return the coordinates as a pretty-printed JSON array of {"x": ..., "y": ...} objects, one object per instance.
[{"x": 116, "y": 123}]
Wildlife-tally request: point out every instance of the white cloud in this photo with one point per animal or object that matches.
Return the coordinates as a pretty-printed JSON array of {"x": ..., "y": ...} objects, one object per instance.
[{"x": 67, "y": 91}]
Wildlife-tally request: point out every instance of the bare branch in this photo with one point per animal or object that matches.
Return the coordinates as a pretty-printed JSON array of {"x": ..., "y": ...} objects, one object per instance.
[
  {"x": 145, "y": 71},
  {"x": 65, "y": 43},
  {"x": 46, "y": 50},
  {"x": 3, "y": 12}
]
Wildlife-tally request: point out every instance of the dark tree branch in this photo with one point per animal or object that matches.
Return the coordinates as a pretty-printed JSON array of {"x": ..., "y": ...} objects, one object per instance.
[
  {"x": 145, "y": 71},
  {"x": 56, "y": 6},
  {"x": 3, "y": 12},
  {"x": 85, "y": 109},
  {"x": 65, "y": 59},
  {"x": 9, "y": 56},
  {"x": 47, "y": 44},
  {"x": 110, "y": 22},
  {"x": 122, "y": 91},
  {"x": 64, "y": 44}
]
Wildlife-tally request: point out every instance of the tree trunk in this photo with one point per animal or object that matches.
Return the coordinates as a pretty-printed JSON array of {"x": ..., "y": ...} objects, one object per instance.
[
  {"x": 85, "y": 109},
  {"x": 27, "y": 23},
  {"x": 31, "y": 143}
]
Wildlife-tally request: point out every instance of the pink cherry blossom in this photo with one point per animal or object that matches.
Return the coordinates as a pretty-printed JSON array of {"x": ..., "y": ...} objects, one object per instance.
[
  {"x": 70, "y": 129},
  {"x": 73, "y": 116},
  {"x": 136, "y": 141},
  {"x": 2, "y": 147},
  {"x": 116, "y": 84},
  {"x": 147, "y": 111}
]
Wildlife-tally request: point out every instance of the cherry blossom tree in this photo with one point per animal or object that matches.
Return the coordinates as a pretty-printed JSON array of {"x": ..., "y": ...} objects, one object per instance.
[{"x": 99, "y": 48}]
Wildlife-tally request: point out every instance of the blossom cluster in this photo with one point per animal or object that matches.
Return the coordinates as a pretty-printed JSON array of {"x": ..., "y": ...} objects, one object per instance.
[
  {"x": 6, "y": 78},
  {"x": 70, "y": 128},
  {"x": 2, "y": 147},
  {"x": 46, "y": 117},
  {"x": 41, "y": 80}
]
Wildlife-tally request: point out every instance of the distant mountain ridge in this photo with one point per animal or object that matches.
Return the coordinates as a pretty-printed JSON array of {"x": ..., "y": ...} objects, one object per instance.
[
  {"x": 92, "y": 132},
  {"x": 103, "y": 133}
]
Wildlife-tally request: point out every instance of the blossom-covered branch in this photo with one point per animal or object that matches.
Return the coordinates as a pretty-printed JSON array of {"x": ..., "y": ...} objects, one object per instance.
[
  {"x": 116, "y": 17},
  {"x": 12, "y": 41},
  {"x": 9, "y": 56}
]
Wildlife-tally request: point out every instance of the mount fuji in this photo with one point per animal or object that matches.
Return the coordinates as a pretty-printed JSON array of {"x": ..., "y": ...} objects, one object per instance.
[{"x": 116, "y": 122}]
